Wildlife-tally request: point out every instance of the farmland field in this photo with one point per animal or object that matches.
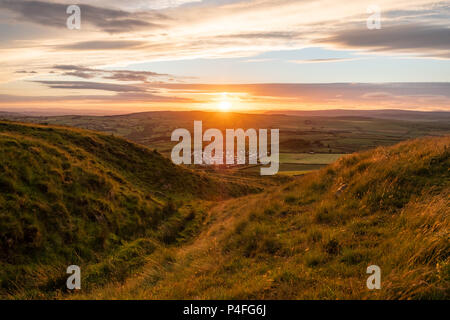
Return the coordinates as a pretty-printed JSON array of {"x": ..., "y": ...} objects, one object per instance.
[
  {"x": 307, "y": 143},
  {"x": 307, "y": 158},
  {"x": 294, "y": 164}
]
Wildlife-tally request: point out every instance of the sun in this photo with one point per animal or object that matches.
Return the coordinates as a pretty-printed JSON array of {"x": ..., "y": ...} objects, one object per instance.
[{"x": 225, "y": 106}]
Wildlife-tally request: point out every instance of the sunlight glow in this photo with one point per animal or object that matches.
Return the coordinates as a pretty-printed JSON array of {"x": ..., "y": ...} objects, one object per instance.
[{"x": 224, "y": 106}]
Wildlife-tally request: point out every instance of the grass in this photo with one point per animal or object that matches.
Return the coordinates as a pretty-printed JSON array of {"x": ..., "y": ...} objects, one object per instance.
[
  {"x": 314, "y": 238},
  {"x": 142, "y": 228},
  {"x": 307, "y": 158},
  {"x": 71, "y": 196},
  {"x": 294, "y": 173}
]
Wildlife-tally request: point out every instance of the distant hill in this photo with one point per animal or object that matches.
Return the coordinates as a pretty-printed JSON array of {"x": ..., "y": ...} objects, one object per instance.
[
  {"x": 380, "y": 114},
  {"x": 333, "y": 131},
  {"x": 314, "y": 238},
  {"x": 71, "y": 196},
  {"x": 393, "y": 114}
]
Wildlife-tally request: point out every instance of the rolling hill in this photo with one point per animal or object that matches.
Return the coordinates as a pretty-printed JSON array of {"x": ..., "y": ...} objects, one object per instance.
[
  {"x": 142, "y": 228},
  {"x": 317, "y": 131},
  {"x": 71, "y": 196},
  {"x": 326, "y": 134},
  {"x": 314, "y": 237},
  {"x": 387, "y": 114}
]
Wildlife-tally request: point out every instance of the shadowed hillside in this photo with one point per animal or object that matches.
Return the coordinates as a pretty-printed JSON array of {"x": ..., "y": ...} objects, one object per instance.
[
  {"x": 315, "y": 237},
  {"x": 142, "y": 228},
  {"x": 71, "y": 196}
]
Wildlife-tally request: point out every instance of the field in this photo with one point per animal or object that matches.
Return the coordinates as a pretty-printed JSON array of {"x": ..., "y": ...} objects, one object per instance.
[
  {"x": 313, "y": 238},
  {"x": 295, "y": 164},
  {"x": 142, "y": 228},
  {"x": 307, "y": 143},
  {"x": 308, "y": 158}
]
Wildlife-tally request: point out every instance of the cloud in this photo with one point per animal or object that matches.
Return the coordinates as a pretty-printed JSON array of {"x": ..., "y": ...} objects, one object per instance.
[
  {"x": 323, "y": 91},
  {"x": 70, "y": 67},
  {"x": 80, "y": 74},
  {"x": 118, "y": 98},
  {"x": 197, "y": 32},
  {"x": 118, "y": 75},
  {"x": 130, "y": 5},
  {"x": 378, "y": 95},
  {"x": 262, "y": 35},
  {"x": 258, "y": 60},
  {"x": 410, "y": 38},
  {"x": 108, "y": 20},
  {"x": 326, "y": 60},
  {"x": 430, "y": 96},
  {"x": 87, "y": 85},
  {"x": 25, "y": 72},
  {"x": 103, "y": 45},
  {"x": 127, "y": 75},
  {"x": 237, "y": 28}
]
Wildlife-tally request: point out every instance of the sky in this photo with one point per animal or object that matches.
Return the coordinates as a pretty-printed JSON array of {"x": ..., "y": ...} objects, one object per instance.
[{"x": 225, "y": 55}]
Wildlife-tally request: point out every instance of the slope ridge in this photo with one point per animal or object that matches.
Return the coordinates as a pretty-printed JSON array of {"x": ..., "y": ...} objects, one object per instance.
[
  {"x": 315, "y": 237},
  {"x": 72, "y": 196}
]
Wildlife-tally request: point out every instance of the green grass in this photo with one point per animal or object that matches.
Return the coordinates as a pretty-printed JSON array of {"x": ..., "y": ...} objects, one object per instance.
[
  {"x": 294, "y": 173},
  {"x": 307, "y": 158},
  {"x": 314, "y": 238},
  {"x": 70, "y": 196},
  {"x": 142, "y": 228}
]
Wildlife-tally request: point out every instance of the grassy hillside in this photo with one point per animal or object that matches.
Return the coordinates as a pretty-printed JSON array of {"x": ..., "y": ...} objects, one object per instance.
[
  {"x": 327, "y": 134},
  {"x": 315, "y": 237},
  {"x": 321, "y": 131},
  {"x": 71, "y": 196}
]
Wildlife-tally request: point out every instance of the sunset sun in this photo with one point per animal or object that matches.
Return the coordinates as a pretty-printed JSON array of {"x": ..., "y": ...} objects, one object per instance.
[
  {"x": 225, "y": 106},
  {"x": 224, "y": 103}
]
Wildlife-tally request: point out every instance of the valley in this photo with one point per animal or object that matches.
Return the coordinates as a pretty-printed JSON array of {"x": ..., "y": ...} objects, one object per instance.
[
  {"x": 141, "y": 227},
  {"x": 326, "y": 135}
]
